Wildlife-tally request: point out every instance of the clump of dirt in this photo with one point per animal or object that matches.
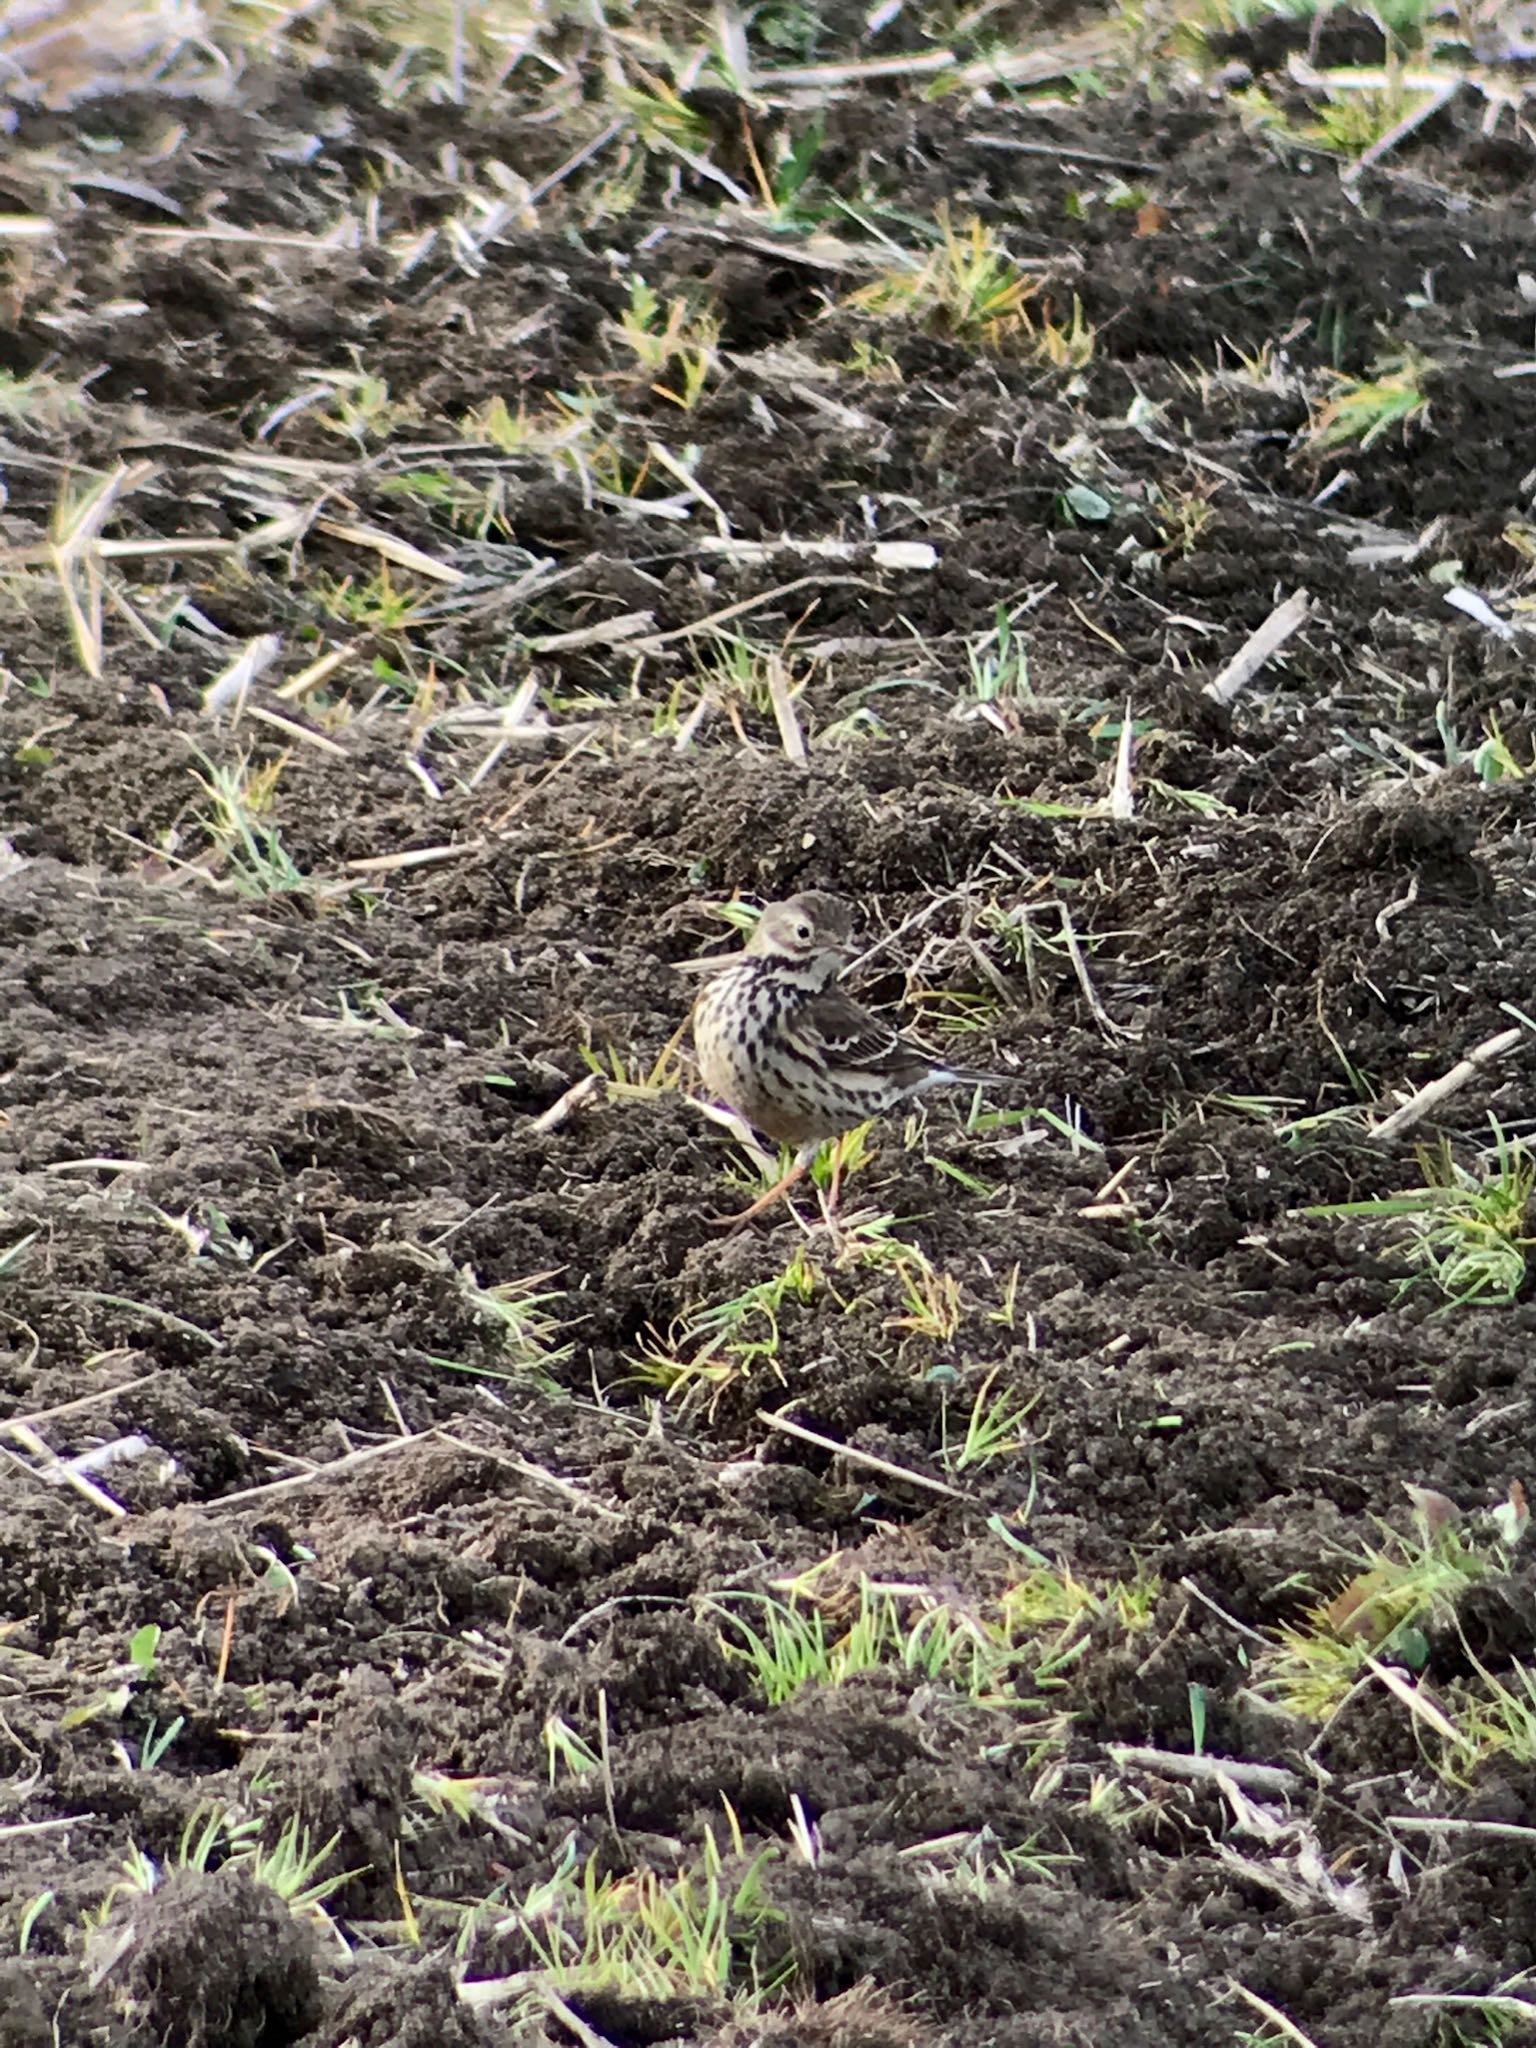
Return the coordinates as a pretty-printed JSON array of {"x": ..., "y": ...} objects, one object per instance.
[{"x": 216, "y": 1957}]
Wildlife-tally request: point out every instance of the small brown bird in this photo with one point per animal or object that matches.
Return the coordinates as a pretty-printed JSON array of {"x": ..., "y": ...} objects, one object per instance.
[{"x": 784, "y": 1046}]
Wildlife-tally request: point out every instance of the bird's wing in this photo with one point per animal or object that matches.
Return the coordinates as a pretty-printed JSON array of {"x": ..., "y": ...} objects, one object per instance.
[
  {"x": 831, "y": 1030},
  {"x": 710, "y": 963}
]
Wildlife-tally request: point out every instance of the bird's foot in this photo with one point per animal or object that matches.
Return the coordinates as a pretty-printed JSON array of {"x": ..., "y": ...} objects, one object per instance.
[{"x": 775, "y": 1194}]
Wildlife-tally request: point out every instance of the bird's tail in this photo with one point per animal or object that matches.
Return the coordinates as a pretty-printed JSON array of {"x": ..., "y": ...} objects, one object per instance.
[{"x": 967, "y": 1077}]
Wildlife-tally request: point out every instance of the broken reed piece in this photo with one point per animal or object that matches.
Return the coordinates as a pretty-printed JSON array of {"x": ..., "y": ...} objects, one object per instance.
[
  {"x": 1122, "y": 790},
  {"x": 1262, "y": 644},
  {"x": 854, "y": 1456},
  {"x": 1269, "y": 1781},
  {"x": 590, "y": 1091},
  {"x": 1433, "y": 1093},
  {"x": 57, "y": 1471},
  {"x": 785, "y": 717}
]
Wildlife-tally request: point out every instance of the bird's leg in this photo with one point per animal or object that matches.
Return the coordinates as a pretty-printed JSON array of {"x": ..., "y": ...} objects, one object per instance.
[
  {"x": 828, "y": 1198},
  {"x": 829, "y": 1207},
  {"x": 776, "y": 1193}
]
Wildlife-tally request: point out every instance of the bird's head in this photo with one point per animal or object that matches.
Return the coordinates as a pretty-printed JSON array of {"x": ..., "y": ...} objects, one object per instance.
[{"x": 813, "y": 931}]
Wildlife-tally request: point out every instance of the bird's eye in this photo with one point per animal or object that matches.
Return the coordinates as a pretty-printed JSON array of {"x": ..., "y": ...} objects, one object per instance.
[{"x": 803, "y": 935}]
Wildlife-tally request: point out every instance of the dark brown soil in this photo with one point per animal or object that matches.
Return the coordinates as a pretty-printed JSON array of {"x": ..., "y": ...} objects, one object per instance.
[{"x": 262, "y": 1152}]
